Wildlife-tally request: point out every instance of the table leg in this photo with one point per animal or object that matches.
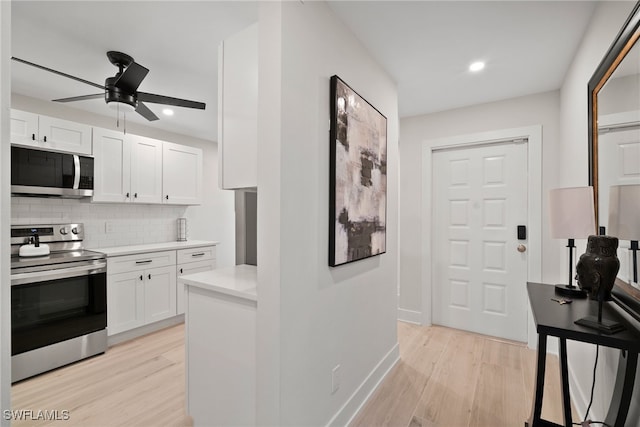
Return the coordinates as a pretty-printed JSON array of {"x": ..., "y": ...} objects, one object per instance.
[
  {"x": 536, "y": 410},
  {"x": 623, "y": 389},
  {"x": 564, "y": 378}
]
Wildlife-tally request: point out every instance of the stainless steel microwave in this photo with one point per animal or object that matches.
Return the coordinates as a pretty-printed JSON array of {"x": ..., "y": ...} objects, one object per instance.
[{"x": 50, "y": 174}]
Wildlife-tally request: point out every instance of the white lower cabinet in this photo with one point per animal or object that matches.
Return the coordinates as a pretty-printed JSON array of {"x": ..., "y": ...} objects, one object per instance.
[
  {"x": 192, "y": 261},
  {"x": 125, "y": 301},
  {"x": 143, "y": 289}
]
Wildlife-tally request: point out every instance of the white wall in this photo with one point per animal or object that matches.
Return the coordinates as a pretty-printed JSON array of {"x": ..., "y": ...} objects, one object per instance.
[
  {"x": 312, "y": 317},
  {"x": 606, "y": 22},
  {"x": 5, "y": 207},
  {"x": 135, "y": 224},
  {"x": 540, "y": 109}
]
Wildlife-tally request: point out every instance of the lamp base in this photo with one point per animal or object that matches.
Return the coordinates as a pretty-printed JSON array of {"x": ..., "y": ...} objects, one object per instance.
[
  {"x": 570, "y": 291},
  {"x": 608, "y": 327}
]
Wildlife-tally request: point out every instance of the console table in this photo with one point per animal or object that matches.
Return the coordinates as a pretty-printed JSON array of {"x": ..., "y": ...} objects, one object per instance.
[{"x": 557, "y": 320}]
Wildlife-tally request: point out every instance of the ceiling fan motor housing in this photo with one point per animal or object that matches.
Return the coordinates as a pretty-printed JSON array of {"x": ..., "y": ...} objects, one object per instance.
[{"x": 114, "y": 94}]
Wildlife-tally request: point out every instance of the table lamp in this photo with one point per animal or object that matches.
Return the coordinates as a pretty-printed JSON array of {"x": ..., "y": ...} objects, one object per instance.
[
  {"x": 572, "y": 216},
  {"x": 624, "y": 218}
]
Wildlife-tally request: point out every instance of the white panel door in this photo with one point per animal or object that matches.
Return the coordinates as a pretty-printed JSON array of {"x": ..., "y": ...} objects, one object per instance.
[
  {"x": 159, "y": 293},
  {"x": 24, "y": 128},
  {"x": 181, "y": 174},
  {"x": 479, "y": 276},
  {"x": 146, "y": 169},
  {"x": 125, "y": 301},
  {"x": 112, "y": 166},
  {"x": 618, "y": 164},
  {"x": 64, "y": 135}
]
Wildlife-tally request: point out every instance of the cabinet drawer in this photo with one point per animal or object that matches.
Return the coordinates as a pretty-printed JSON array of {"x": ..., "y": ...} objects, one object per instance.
[
  {"x": 136, "y": 262},
  {"x": 196, "y": 254}
]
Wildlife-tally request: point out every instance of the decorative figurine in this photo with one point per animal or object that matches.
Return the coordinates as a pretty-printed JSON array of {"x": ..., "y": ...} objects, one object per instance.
[{"x": 598, "y": 267}]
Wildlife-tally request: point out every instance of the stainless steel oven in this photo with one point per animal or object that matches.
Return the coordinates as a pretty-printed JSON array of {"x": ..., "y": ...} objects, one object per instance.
[{"x": 58, "y": 299}]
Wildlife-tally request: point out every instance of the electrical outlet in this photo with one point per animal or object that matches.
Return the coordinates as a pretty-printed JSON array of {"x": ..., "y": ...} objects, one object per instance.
[
  {"x": 108, "y": 227},
  {"x": 335, "y": 379}
]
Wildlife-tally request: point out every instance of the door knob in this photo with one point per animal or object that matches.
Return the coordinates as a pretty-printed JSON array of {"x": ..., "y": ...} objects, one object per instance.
[{"x": 522, "y": 248}]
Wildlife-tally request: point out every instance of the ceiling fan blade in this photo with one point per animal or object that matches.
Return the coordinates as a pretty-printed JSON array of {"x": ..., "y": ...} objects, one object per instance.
[
  {"x": 145, "y": 112},
  {"x": 60, "y": 73},
  {"x": 80, "y": 98},
  {"x": 131, "y": 78},
  {"x": 167, "y": 100}
]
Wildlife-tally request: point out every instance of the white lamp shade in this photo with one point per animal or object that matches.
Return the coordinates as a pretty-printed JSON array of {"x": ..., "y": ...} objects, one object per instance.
[
  {"x": 624, "y": 212},
  {"x": 572, "y": 213}
]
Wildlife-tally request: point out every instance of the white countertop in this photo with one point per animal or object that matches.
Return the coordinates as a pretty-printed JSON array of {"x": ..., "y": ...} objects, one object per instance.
[
  {"x": 153, "y": 247},
  {"x": 239, "y": 281}
]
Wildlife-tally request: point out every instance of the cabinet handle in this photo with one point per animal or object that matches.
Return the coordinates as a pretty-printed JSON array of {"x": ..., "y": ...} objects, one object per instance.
[
  {"x": 45, "y": 139},
  {"x": 180, "y": 271},
  {"x": 135, "y": 195},
  {"x": 149, "y": 276},
  {"x": 33, "y": 136},
  {"x": 144, "y": 262},
  {"x": 141, "y": 278},
  {"x": 166, "y": 197},
  {"x": 198, "y": 254},
  {"x": 127, "y": 195}
]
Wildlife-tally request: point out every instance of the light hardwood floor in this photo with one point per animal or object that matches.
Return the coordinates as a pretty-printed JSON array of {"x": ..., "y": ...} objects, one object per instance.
[
  {"x": 451, "y": 378},
  {"x": 446, "y": 378}
]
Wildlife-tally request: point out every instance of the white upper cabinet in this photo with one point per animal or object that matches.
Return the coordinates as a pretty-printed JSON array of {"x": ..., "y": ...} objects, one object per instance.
[
  {"x": 146, "y": 169},
  {"x": 137, "y": 169},
  {"x": 181, "y": 174},
  {"x": 34, "y": 130},
  {"x": 24, "y": 128},
  {"x": 112, "y": 166},
  {"x": 238, "y": 110}
]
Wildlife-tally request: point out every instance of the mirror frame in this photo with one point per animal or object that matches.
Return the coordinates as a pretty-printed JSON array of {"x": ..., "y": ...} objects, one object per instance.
[{"x": 625, "y": 295}]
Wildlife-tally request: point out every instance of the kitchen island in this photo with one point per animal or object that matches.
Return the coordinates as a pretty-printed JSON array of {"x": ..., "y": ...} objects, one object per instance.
[{"x": 220, "y": 334}]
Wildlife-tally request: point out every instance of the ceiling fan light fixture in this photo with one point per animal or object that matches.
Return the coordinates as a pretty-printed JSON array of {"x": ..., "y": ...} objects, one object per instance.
[
  {"x": 121, "y": 106},
  {"x": 167, "y": 112}
]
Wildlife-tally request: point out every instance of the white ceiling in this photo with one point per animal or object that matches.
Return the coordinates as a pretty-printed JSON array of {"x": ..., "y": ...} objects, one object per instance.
[{"x": 426, "y": 46}]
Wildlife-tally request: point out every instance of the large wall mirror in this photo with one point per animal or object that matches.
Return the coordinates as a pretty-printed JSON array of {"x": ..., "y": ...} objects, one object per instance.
[{"x": 614, "y": 153}]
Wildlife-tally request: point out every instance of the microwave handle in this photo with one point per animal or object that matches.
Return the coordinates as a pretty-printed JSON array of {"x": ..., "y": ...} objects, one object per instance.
[{"x": 76, "y": 172}]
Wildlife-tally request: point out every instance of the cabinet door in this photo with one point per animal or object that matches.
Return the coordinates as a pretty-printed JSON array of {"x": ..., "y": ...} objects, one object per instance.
[
  {"x": 125, "y": 301},
  {"x": 146, "y": 169},
  {"x": 181, "y": 174},
  {"x": 112, "y": 166},
  {"x": 190, "y": 268},
  {"x": 238, "y": 110},
  {"x": 160, "y": 293},
  {"x": 24, "y": 128},
  {"x": 64, "y": 135}
]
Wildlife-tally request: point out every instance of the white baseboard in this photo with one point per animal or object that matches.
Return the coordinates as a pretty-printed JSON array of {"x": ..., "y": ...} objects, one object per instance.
[
  {"x": 357, "y": 400},
  {"x": 410, "y": 316}
]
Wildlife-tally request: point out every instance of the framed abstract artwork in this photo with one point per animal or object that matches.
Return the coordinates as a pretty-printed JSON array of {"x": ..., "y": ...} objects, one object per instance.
[{"x": 358, "y": 177}]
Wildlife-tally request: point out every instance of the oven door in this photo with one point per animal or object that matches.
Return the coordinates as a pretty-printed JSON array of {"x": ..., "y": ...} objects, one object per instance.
[{"x": 56, "y": 305}]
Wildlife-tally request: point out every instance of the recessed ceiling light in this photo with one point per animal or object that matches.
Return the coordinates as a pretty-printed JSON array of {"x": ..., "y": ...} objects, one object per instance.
[
  {"x": 167, "y": 112},
  {"x": 476, "y": 66}
]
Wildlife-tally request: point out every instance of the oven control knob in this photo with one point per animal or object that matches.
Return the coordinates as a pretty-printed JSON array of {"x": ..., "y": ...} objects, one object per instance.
[
  {"x": 64, "y": 231},
  {"x": 74, "y": 230}
]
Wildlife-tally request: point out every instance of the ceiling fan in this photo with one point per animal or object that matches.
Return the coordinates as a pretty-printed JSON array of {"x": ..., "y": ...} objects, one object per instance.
[{"x": 121, "y": 90}]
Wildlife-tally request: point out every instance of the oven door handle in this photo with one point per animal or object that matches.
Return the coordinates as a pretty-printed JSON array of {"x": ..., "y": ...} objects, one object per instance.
[{"x": 63, "y": 273}]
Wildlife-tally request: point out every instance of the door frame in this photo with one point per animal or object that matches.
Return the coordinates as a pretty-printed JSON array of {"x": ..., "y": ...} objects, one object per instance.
[{"x": 533, "y": 134}]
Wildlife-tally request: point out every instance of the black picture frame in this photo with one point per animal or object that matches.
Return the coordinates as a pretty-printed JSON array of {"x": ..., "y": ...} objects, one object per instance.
[{"x": 357, "y": 177}]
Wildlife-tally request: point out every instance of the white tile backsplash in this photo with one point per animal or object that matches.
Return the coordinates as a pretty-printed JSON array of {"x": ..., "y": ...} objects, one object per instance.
[{"x": 131, "y": 224}]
